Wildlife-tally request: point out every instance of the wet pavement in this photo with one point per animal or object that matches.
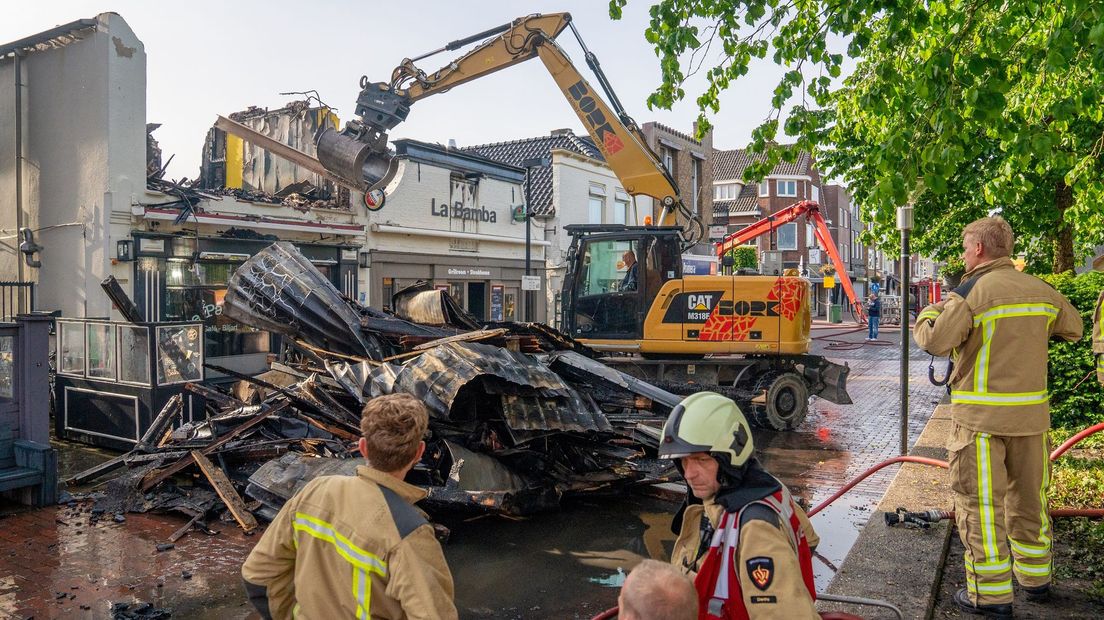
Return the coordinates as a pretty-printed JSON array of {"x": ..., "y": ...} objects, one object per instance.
[{"x": 54, "y": 563}]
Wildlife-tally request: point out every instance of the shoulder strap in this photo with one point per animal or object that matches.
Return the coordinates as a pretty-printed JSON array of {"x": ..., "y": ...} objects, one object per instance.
[
  {"x": 964, "y": 288},
  {"x": 760, "y": 512},
  {"x": 407, "y": 518}
]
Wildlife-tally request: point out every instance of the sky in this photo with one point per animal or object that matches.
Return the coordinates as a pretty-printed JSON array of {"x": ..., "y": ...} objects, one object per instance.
[{"x": 208, "y": 58}]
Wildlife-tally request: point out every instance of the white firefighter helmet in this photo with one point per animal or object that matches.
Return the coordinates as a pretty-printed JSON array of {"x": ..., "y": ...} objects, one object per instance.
[{"x": 707, "y": 422}]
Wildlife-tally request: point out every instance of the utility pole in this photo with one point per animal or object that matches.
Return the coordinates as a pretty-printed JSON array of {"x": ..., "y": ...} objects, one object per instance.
[{"x": 904, "y": 224}]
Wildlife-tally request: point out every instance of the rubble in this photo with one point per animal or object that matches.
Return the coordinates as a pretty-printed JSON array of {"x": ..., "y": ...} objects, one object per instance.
[{"x": 520, "y": 415}]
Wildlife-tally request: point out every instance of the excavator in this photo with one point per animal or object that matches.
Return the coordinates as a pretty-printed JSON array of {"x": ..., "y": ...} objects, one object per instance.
[
  {"x": 625, "y": 295},
  {"x": 810, "y": 210}
]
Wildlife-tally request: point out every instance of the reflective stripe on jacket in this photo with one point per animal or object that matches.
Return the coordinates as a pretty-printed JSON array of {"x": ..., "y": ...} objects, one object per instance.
[
  {"x": 997, "y": 326},
  {"x": 352, "y": 547}
]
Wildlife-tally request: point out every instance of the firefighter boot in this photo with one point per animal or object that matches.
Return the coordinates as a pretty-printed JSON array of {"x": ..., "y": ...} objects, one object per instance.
[
  {"x": 1038, "y": 594},
  {"x": 962, "y": 600}
]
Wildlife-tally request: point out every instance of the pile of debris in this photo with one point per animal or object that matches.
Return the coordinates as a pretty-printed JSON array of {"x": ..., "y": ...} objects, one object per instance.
[{"x": 520, "y": 415}]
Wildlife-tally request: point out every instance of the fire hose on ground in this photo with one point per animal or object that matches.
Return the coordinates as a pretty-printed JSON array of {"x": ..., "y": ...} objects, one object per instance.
[{"x": 1059, "y": 451}]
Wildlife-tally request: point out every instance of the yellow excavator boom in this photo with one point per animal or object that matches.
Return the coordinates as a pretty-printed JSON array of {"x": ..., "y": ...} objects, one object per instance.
[{"x": 359, "y": 152}]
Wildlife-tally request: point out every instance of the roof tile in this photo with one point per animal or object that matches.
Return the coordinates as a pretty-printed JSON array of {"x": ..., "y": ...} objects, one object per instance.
[{"x": 515, "y": 152}]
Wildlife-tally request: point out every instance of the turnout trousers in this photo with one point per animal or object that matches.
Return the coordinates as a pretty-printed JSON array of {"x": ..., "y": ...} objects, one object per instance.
[{"x": 1000, "y": 498}]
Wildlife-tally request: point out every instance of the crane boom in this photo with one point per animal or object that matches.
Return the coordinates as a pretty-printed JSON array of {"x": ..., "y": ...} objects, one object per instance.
[
  {"x": 359, "y": 152},
  {"x": 811, "y": 211}
]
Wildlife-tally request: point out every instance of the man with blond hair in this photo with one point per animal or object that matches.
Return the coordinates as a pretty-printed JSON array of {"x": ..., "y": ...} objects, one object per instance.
[
  {"x": 657, "y": 591},
  {"x": 355, "y": 546},
  {"x": 996, "y": 326}
]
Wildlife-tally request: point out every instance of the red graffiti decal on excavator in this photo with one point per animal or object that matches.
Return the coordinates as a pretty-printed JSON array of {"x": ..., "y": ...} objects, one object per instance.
[
  {"x": 613, "y": 143},
  {"x": 789, "y": 292},
  {"x": 726, "y": 327}
]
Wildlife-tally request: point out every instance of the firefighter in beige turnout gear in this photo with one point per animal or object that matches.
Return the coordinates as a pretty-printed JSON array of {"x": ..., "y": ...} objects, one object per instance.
[
  {"x": 355, "y": 546},
  {"x": 996, "y": 326},
  {"x": 768, "y": 572}
]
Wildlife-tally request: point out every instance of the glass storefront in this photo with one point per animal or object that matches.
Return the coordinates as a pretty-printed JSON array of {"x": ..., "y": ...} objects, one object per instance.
[{"x": 184, "y": 278}]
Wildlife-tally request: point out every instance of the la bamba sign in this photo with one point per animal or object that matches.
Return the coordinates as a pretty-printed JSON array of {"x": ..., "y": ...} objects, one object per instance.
[{"x": 457, "y": 211}]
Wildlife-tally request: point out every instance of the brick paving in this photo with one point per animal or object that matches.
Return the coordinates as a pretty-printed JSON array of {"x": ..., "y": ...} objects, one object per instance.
[{"x": 54, "y": 563}]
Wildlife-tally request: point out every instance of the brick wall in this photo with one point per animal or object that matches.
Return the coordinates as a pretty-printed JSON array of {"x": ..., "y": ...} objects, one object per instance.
[{"x": 683, "y": 150}]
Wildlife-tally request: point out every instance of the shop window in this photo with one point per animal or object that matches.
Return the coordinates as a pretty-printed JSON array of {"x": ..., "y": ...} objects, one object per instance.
[
  {"x": 388, "y": 292},
  {"x": 72, "y": 348},
  {"x": 510, "y": 306},
  {"x": 179, "y": 354},
  {"x": 101, "y": 351},
  {"x": 7, "y": 367},
  {"x": 498, "y": 300},
  {"x": 134, "y": 363},
  {"x": 456, "y": 291},
  {"x": 194, "y": 291}
]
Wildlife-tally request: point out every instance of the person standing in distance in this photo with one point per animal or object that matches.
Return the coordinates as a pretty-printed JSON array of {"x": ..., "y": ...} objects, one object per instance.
[{"x": 873, "y": 315}]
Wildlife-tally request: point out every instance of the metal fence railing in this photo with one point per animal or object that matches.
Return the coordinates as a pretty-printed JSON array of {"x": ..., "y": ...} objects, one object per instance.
[{"x": 16, "y": 298}]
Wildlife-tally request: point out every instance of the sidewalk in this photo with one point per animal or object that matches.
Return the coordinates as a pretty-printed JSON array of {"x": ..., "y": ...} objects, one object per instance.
[{"x": 898, "y": 565}]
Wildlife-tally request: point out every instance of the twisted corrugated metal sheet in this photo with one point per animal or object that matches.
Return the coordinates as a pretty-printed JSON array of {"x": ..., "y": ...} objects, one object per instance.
[{"x": 279, "y": 290}]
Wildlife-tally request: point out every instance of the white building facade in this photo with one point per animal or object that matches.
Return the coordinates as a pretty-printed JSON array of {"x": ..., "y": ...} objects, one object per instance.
[{"x": 455, "y": 219}]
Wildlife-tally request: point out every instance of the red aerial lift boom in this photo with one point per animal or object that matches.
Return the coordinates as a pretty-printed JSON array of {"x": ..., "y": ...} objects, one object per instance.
[{"x": 811, "y": 211}]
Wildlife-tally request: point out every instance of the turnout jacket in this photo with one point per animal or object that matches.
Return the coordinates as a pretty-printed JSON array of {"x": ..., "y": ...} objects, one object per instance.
[
  {"x": 996, "y": 326},
  {"x": 350, "y": 547},
  {"x": 765, "y": 541}
]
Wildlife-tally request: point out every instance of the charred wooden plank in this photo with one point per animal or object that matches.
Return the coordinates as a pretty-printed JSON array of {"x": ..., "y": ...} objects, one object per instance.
[
  {"x": 99, "y": 470},
  {"x": 333, "y": 430},
  {"x": 161, "y": 423},
  {"x": 226, "y": 491},
  {"x": 474, "y": 336},
  {"x": 222, "y": 399},
  {"x": 178, "y": 534},
  {"x": 168, "y": 412},
  {"x": 121, "y": 300},
  {"x": 153, "y": 479}
]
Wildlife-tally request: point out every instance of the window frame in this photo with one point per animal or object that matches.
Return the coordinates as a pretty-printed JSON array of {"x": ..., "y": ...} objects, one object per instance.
[
  {"x": 778, "y": 236},
  {"x": 778, "y": 185}
]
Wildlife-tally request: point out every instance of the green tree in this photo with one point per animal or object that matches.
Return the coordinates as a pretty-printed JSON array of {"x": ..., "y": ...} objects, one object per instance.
[
  {"x": 745, "y": 257},
  {"x": 957, "y": 106}
]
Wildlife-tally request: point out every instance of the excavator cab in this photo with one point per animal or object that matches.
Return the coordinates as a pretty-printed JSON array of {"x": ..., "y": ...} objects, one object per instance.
[{"x": 614, "y": 274}]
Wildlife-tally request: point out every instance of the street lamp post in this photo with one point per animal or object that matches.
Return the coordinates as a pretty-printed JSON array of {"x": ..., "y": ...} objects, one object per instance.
[
  {"x": 529, "y": 164},
  {"x": 904, "y": 224}
]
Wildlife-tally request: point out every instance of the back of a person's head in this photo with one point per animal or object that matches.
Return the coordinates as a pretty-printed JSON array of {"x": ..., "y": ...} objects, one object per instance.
[
  {"x": 657, "y": 591},
  {"x": 994, "y": 234},
  {"x": 393, "y": 427}
]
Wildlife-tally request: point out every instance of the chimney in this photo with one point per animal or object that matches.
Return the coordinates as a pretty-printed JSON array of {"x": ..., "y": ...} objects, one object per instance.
[{"x": 452, "y": 143}]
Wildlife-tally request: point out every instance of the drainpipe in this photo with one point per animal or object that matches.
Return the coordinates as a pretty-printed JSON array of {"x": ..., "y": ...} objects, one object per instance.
[{"x": 19, "y": 156}]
